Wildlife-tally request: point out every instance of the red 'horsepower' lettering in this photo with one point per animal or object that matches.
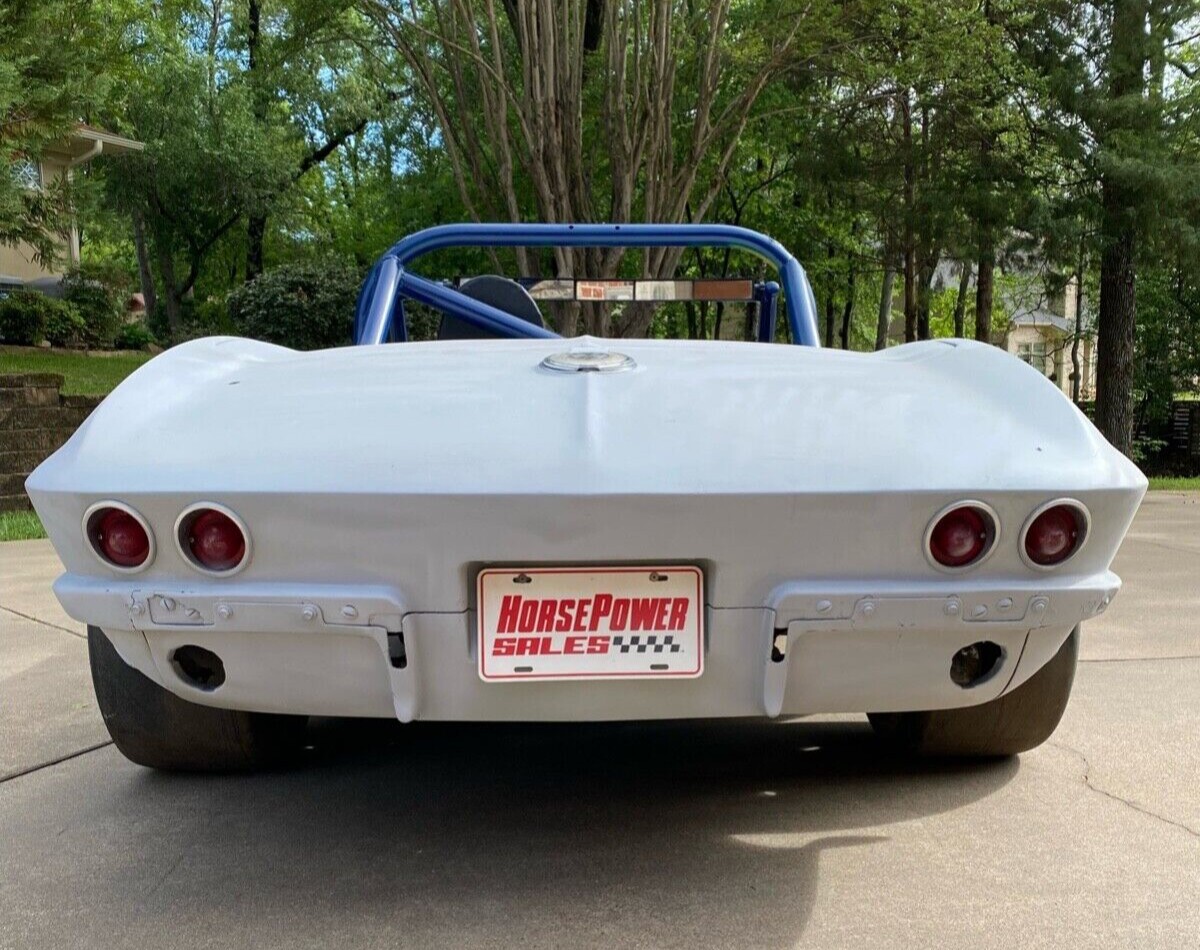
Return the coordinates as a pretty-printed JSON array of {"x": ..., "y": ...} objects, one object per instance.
[{"x": 587, "y": 614}]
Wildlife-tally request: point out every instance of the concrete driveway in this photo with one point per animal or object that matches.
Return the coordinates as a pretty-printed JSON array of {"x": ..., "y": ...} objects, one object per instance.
[{"x": 687, "y": 835}]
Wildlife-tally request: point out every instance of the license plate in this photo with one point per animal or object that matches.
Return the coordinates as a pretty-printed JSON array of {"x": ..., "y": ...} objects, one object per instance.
[{"x": 590, "y": 623}]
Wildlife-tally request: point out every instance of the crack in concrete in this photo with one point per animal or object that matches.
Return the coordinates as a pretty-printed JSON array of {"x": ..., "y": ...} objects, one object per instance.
[
  {"x": 62, "y": 758},
  {"x": 162, "y": 880},
  {"x": 44, "y": 623},
  {"x": 1087, "y": 781},
  {"x": 1166, "y": 547}
]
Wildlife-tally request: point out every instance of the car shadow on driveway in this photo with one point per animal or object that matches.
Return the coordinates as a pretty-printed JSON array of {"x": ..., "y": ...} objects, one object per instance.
[{"x": 698, "y": 834}]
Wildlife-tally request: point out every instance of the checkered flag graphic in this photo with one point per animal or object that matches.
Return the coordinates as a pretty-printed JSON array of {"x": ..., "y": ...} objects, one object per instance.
[{"x": 649, "y": 644}]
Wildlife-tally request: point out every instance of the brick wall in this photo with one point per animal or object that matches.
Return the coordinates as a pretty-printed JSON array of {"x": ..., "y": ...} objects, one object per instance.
[{"x": 35, "y": 419}]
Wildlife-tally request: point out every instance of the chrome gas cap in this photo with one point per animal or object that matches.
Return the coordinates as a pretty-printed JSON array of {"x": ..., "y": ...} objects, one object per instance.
[{"x": 588, "y": 361}]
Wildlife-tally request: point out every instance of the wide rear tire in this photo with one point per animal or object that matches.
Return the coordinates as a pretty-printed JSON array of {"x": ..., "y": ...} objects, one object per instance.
[
  {"x": 155, "y": 728},
  {"x": 1012, "y": 723}
]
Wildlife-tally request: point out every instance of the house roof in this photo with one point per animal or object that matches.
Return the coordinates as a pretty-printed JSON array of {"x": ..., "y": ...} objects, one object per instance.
[
  {"x": 85, "y": 143},
  {"x": 1042, "y": 318}
]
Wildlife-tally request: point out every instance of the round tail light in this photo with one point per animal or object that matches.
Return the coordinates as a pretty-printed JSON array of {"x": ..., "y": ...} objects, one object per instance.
[
  {"x": 213, "y": 539},
  {"x": 119, "y": 536},
  {"x": 961, "y": 536},
  {"x": 1054, "y": 533}
]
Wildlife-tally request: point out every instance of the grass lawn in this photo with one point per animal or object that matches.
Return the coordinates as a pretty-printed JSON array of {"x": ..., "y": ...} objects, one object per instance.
[
  {"x": 83, "y": 374},
  {"x": 20, "y": 526},
  {"x": 1175, "y": 484}
]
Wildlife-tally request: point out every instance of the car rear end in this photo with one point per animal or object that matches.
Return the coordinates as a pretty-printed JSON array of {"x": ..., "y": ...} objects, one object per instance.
[{"x": 458, "y": 532}]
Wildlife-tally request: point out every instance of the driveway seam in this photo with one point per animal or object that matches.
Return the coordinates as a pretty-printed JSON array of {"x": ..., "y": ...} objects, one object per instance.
[
  {"x": 1087, "y": 780},
  {"x": 62, "y": 758},
  {"x": 44, "y": 623}
]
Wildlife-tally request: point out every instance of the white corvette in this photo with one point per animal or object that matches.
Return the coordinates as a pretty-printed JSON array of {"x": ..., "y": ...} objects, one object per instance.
[{"x": 537, "y": 528}]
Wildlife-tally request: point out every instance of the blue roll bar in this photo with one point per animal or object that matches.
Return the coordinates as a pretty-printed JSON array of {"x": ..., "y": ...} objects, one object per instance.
[{"x": 379, "y": 315}]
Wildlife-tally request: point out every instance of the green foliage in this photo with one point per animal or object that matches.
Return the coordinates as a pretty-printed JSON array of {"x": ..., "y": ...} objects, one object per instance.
[
  {"x": 197, "y": 318},
  {"x": 306, "y": 306},
  {"x": 1146, "y": 448},
  {"x": 22, "y": 318},
  {"x": 235, "y": 113},
  {"x": 64, "y": 325},
  {"x": 28, "y": 317},
  {"x": 54, "y": 63},
  {"x": 1168, "y": 335},
  {"x": 133, "y": 336},
  {"x": 100, "y": 302}
]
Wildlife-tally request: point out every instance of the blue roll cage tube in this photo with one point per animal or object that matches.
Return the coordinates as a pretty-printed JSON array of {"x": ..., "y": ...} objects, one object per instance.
[{"x": 379, "y": 313}]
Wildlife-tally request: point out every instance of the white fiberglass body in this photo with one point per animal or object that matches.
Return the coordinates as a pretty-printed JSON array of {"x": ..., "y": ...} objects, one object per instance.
[{"x": 377, "y": 483}]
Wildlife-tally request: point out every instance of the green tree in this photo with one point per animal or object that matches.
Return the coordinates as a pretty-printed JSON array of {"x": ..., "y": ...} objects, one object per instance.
[
  {"x": 236, "y": 103},
  {"x": 591, "y": 111},
  {"x": 1123, "y": 80},
  {"x": 53, "y": 60}
]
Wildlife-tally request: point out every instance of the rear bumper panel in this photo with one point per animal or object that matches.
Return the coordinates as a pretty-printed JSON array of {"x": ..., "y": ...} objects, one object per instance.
[{"x": 323, "y": 649}]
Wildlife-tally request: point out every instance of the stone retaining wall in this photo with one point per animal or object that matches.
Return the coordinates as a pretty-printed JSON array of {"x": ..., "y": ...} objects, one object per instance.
[{"x": 35, "y": 419}]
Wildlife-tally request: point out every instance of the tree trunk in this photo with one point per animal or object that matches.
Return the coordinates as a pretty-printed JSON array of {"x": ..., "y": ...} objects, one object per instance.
[
  {"x": 1118, "y": 309},
  {"x": 830, "y": 305},
  {"x": 960, "y": 302},
  {"x": 985, "y": 224},
  {"x": 171, "y": 294},
  {"x": 984, "y": 288},
  {"x": 145, "y": 277},
  {"x": 910, "y": 295},
  {"x": 910, "y": 240},
  {"x": 256, "y": 227},
  {"x": 885, "y": 308},
  {"x": 1076, "y": 370},
  {"x": 924, "y": 287},
  {"x": 1118, "y": 318},
  {"x": 848, "y": 309}
]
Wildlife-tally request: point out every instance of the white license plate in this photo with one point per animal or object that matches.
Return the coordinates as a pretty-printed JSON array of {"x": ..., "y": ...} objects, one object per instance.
[{"x": 581, "y": 623}]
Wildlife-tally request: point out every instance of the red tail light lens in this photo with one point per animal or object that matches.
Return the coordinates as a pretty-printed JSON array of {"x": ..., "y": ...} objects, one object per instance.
[
  {"x": 961, "y": 536},
  {"x": 1054, "y": 535},
  {"x": 215, "y": 540},
  {"x": 119, "y": 537}
]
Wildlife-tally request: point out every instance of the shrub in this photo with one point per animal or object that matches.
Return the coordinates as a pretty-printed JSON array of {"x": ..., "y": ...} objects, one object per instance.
[
  {"x": 133, "y": 336},
  {"x": 197, "y": 318},
  {"x": 208, "y": 317},
  {"x": 307, "y": 306},
  {"x": 28, "y": 317},
  {"x": 100, "y": 300},
  {"x": 64, "y": 325}
]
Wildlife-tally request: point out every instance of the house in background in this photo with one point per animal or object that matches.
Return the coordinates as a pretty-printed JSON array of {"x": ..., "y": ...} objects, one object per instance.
[
  {"x": 1041, "y": 333},
  {"x": 19, "y": 266},
  {"x": 1041, "y": 321}
]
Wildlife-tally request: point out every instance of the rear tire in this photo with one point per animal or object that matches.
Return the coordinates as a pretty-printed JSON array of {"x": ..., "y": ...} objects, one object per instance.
[
  {"x": 1012, "y": 723},
  {"x": 155, "y": 728}
]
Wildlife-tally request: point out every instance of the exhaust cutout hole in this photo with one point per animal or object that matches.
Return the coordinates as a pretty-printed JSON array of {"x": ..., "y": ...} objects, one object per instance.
[
  {"x": 198, "y": 667},
  {"x": 397, "y": 652},
  {"x": 976, "y": 663}
]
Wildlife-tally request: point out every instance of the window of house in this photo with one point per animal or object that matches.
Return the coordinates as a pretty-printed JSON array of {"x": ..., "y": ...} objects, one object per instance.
[
  {"x": 28, "y": 173},
  {"x": 1034, "y": 354}
]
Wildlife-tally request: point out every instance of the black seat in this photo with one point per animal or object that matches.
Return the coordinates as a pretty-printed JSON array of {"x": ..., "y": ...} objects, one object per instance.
[{"x": 501, "y": 293}]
